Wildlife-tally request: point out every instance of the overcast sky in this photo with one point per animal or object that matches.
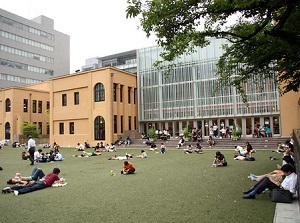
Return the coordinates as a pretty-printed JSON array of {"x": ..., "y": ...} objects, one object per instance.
[{"x": 95, "y": 27}]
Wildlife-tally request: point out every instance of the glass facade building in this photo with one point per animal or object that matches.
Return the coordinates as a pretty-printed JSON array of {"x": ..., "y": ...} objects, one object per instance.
[{"x": 187, "y": 96}]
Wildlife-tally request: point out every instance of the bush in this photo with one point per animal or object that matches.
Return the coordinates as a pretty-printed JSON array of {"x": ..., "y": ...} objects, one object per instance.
[
  {"x": 237, "y": 131},
  {"x": 152, "y": 135}
]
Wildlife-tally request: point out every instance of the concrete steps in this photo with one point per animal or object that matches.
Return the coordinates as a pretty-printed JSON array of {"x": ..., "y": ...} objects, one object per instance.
[{"x": 226, "y": 143}]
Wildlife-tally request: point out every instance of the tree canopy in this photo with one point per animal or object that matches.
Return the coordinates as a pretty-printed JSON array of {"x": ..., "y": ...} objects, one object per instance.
[
  {"x": 263, "y": 35},
  {"x": 30, "y": 128}
]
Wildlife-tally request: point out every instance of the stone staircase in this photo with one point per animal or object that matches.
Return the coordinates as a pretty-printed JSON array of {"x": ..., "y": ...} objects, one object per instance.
[{"x": 226, "y": 143}]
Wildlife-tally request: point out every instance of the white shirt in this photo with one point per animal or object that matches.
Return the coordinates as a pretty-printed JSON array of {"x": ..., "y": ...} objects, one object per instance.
[
  {"x": 31, "y": 143},
  {"x": 59, "y": 157},
  {"x": 215, "y": 127},
  {"x": 290, "y": 183},
  {"x": 122, "y": 157},
  {"x": 241, "y": 150},
  {"x": 144, "y": 154},
  {"x": 37, "y": 155},
  {"x": 80, "y": 147}
]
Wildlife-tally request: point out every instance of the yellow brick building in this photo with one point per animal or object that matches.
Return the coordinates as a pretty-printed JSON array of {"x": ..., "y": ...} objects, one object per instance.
[
  {"x": 20, "y": 105},
  {"x": 290, "y": 112},
  {"x": 92, "y": 106}
]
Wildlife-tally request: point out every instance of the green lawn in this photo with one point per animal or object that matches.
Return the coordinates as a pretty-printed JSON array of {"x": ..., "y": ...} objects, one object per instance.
[{"x": 173, "y": 187}]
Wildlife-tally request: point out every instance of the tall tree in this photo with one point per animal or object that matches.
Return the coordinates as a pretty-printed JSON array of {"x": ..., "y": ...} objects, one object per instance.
[{"x": 263, "y": 35}]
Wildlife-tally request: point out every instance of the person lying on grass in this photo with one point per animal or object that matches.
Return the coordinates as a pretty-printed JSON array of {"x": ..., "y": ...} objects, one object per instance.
[
  {"x": 36, "y": 174},
  {"x": 244, "y": 158},
  {"x": 50, "y": 179},
  {"x": 86, "y": 154},
  {"x": 289, "y": 183},
  {"x": 128, "y": 168},
  {"x": 126, "y": 157}
]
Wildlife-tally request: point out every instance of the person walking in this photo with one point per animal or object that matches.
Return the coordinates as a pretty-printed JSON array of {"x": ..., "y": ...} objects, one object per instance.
[{"x": 31, "y": 149}]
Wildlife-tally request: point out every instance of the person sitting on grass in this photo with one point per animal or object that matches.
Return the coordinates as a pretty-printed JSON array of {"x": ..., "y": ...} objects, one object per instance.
[
  {"x": 198, "y": 149},
  {"x": 240, "y": 150},
  {"x": 37, "y": 155},
  {"x": 113, "y": 148},
  {"x": 36, "y": 174},
  {"x": 58, "y": 157},
  {"x": 219, "y": 160},
  {"x": 142, "y": 155},
  {"x": 289, "y": 183},
  {"x": 25, "y": 155},
  {"x": 275, "y": 176},
  {"x": 249, "y": 149},
  {"x": 189, "y": 149},
  {"x": 50, "y": 179},
  {"x": 245, "y": 158},
  {"x": 162, "y": 148},
  {"x": 128, "y": 168},
  {"x": 153, "y": 147},
  {"x": 79, "y": 147},
  {"x": 98, "y": 148},
  {"x": 280, "y": 148}
]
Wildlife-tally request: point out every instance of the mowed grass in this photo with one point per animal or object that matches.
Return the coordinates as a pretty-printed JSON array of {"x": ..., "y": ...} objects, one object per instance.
[{"x": 171, "y": 187}]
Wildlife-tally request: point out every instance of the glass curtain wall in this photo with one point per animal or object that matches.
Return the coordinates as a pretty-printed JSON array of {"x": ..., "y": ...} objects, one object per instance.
[{"x": 188, "y": 92}]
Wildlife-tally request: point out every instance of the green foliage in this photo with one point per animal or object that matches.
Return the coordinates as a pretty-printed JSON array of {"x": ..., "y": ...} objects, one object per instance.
[
  {"x": 152, "y": 134},
  {"x": 47, "y": 113},
  {"x": 29, "y": 128},
  {"x": 237, "y": 131},
  {"x": 187, "y": 133},
  {"x": 263, "y": 36}
]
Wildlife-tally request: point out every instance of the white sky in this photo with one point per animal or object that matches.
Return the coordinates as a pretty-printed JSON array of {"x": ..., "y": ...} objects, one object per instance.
[{"x": 95, "y": 27}]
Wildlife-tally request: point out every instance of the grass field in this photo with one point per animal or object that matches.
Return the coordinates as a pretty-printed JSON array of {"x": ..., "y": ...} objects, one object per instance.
[{"x": 173, "y": 187}]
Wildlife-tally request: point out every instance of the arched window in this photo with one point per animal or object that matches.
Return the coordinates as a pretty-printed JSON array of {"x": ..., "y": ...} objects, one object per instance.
[
  {"x": 7, "y": 130},
  {"x": 7, "y": 105},
  {"x": 99, "y": 92},
  {"x": 99, "y": 128}
]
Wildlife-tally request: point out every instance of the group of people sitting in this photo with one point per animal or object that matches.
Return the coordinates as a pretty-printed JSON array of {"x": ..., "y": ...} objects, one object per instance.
[
  {"x": 286, "y": 148},
  {"x": 284, "y": 177},
  {"x": 123, "y": 141},
  {"x": 190, "y": 149},
  {"x": 98, "y": 149},
  {"x": 42, "y": 157},
  {"x": 262, "y": 131}
]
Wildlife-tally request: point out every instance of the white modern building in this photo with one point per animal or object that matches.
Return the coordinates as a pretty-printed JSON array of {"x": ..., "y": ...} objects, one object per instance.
[
  {"x": 187, "y": 96},
  {"x": 31, "y": 50}
]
